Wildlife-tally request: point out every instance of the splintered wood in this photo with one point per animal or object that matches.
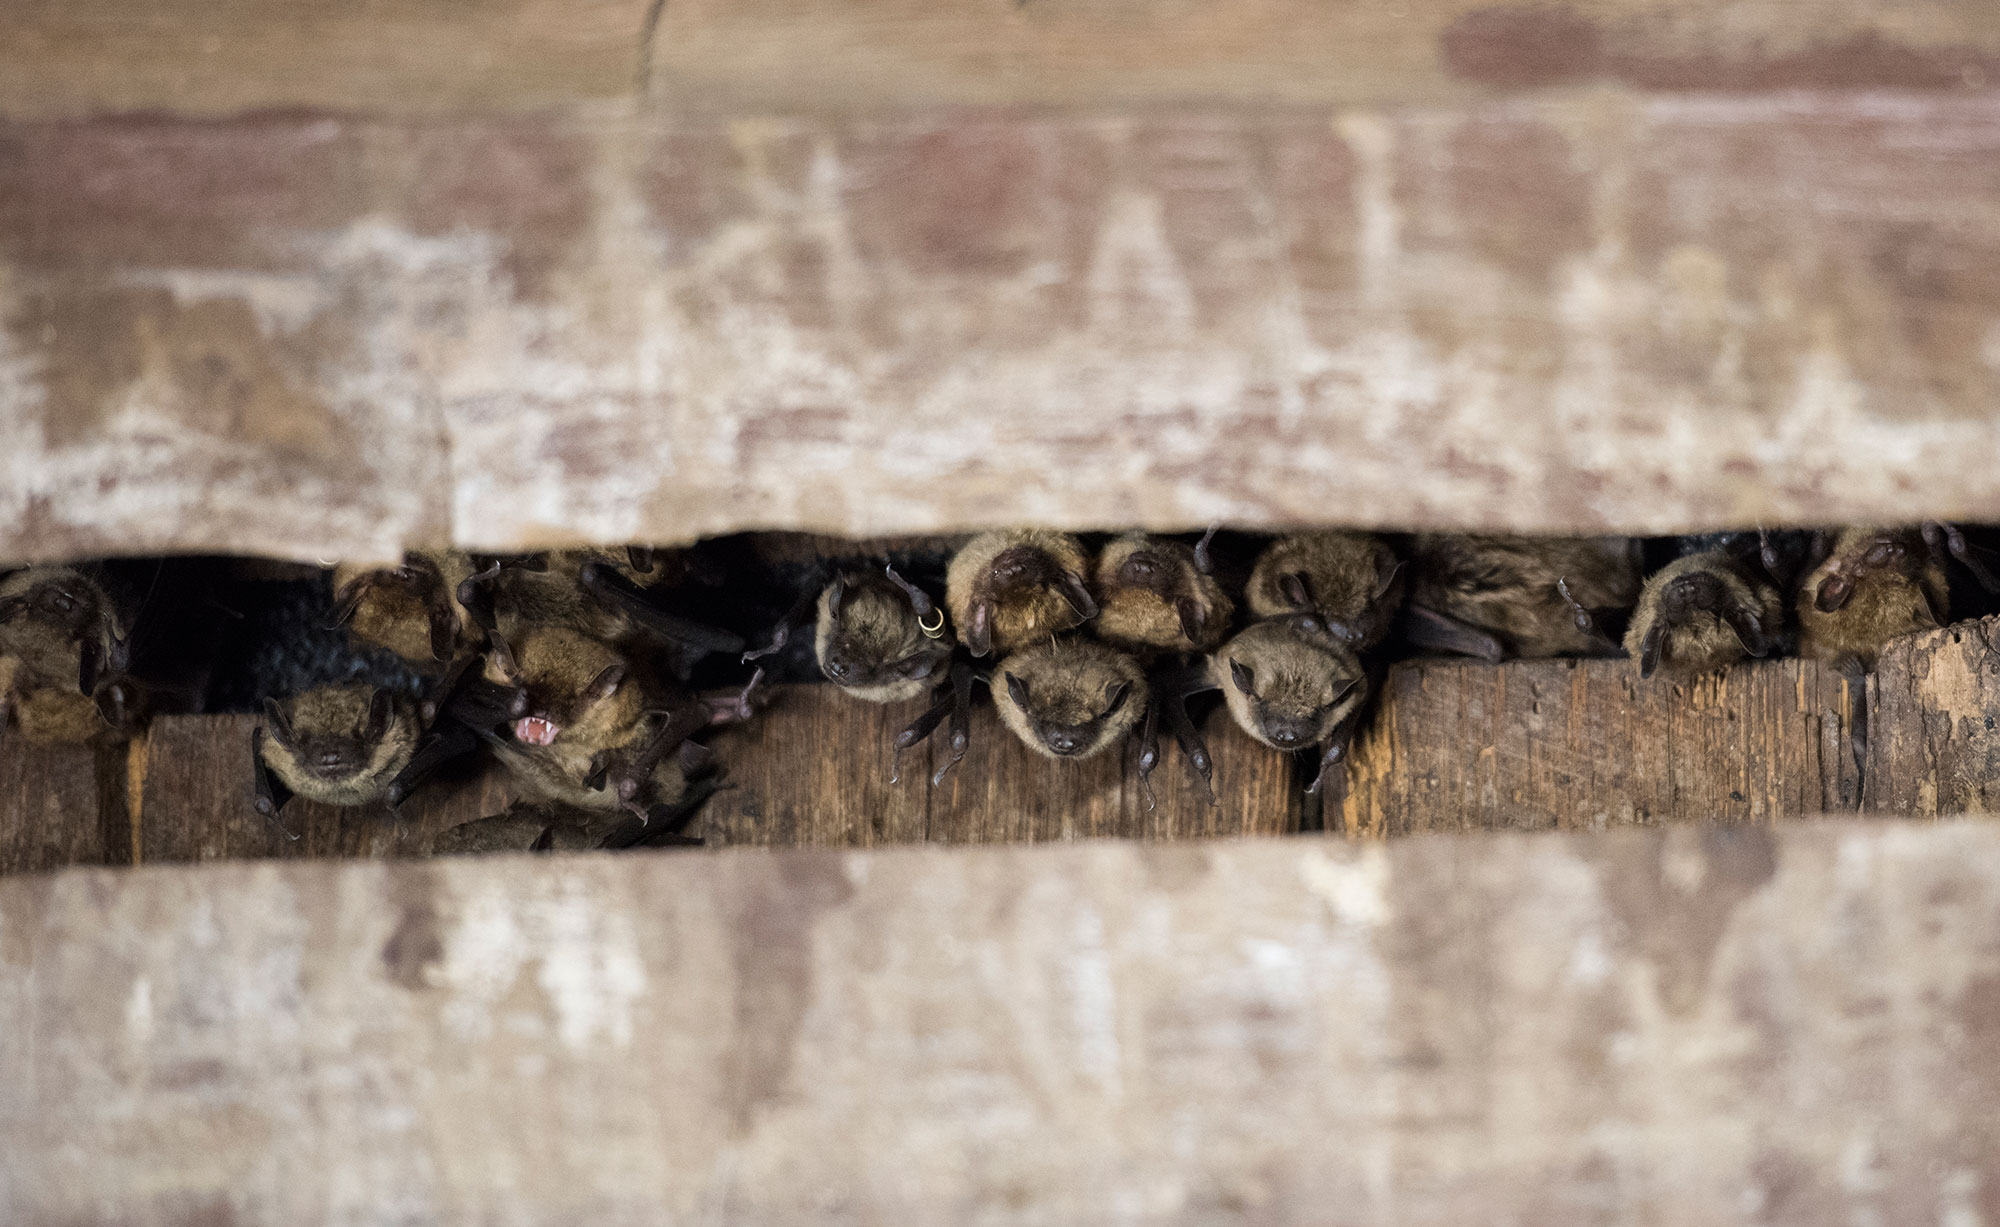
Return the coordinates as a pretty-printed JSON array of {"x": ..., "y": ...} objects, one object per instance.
[{"x": 1934, "y": 723}]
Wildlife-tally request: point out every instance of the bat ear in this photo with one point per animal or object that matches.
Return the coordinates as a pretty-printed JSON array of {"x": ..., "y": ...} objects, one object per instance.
[
  {"x": 1078, "y": 596},
  {"x": 836, "y": 597},
  {"x": 1244, "y": 677},
  {"x": 1116, "y": 699},
  {"x": 979, "y": 628},
  {"x": 917, "y": 668},
  {"x": 1194, "y": 623},
  {"x": 640, "y": 557},
  {"x": 1017, "y": 689},
  {"x": 89, "y": 664},
  {"x": 1749, "y": 631},
  {"x": 281, "y": 728},
  {"x": 114, "y": 703},
  {"x": 607, "y": 682},
  {"x": 1389, "y": 580},
  {"x": 1833, "y": 593},
  {"x": 381, "y": 706},
  {"x": 1293, "y": 585},
  {"x": 1649, "y": 649}
]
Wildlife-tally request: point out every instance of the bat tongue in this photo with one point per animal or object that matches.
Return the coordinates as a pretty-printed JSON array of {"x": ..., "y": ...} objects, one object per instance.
[{"x": 535, "y": 731}]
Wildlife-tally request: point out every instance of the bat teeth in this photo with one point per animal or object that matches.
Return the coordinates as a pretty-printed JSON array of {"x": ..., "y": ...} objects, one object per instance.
[{"x": 535, "y": 731}]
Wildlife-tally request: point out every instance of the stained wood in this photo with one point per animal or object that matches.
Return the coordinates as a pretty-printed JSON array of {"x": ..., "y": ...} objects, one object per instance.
[
  {"x": 1588, "y": 744},
  {"x": 85, "y": 57},
  {"x": 1934, "y": 701},
  {"x": 50, "y": 814},
  {"x": 819, "y": 55},
  {"x": 1677, "y": 1028},
  {"x": 813, "y": 768},
  {"x": 1567, "y": 312},
  {"x": 198, "y": 803}
]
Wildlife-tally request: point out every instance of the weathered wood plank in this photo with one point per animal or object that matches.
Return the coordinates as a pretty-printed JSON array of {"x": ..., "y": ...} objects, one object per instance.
[
  {"x": 1589, "y": 744},
  {"x": 314, "y": 336},
  {"x": 820, "y": 55},
  {"x": 813, "y": 769},
  {"x": 1700, "y": 1026},
  {"x": 198, "y": 791},
  {"x": 50, "y": 814},
  {"x": 1932, "y": 706},
  {"x": 221, "y": 57}
]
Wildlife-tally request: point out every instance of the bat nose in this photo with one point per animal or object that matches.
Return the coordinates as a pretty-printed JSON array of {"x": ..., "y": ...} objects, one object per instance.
[
  {"x": 1065, "y": 743},
  {"x": 331, "y": 759},
  {"x": 837, "y": 669},
  {"x": 1285, "y": 737}
]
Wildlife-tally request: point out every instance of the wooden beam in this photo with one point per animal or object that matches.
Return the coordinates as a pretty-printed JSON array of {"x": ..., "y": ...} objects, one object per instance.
[
  {"x": 220, "y": 57},
  {"x": 1589, "y": 744},
  {"x": 312, "y": 336},
  {"x": 1932, "y": 743},
  {"x": 1699, "y": 1026},
  {"x": 856, "y": 55}
]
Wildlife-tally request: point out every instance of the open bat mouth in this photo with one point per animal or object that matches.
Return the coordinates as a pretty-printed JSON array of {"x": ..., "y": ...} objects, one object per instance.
[{"x": 535, "y": 731}]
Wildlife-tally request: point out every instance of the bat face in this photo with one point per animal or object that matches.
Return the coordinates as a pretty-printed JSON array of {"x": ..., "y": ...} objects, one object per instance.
[
  {"x": 1288, "y": 682},
  {"x": 577, "y": 690},
  {"x": 1070, "y": 700},
  {"x": 339, "y": 744},
  {"x": 1702, "y": 612},
  {"x": 62, "y": 625},
  {"x": 870, "y": 642}
]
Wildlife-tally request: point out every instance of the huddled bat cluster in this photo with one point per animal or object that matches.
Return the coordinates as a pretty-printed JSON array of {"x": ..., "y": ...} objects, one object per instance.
[
  {"x": 592, "y": 675},
  {"x": 1082, "y": 646},
  {"x": 565, "y": 666}
]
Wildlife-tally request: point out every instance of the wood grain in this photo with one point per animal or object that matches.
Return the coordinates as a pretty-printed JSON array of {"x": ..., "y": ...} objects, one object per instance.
[
  {"x": 852, "y": 55},
  {"x": 198, "y": 792},
  {"x": 1588, "y": 744},
  {"x": 314, "y": 336},
  {"x": 219, "y": 57},
  {"x": 50, "y": 814},
  {"x": 1682, "y": 1028},
  {"x": 1933, "y": 747}
]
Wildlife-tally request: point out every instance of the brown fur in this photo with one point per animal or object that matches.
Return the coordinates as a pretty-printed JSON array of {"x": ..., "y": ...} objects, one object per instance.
[
  {"x": 877, "y": 642},
  {"x": 1704, "y": 643},
  {"x": 1139, "y": 617},
  {"x": 1300, "y": 681},
  {"x": 1021, "y": 614},
  {"x": 341, "y": 713},
  {"x": 559, "y": 669},
  {"x": 49, "y": 652},
  {"x": 394, "y": 608},
  {"x": 1886, "y": 602},
  {"x": 1069, "y": 683},
  {"x": 1352, "y": 579},
  {"x": 1507, "y": 585}
]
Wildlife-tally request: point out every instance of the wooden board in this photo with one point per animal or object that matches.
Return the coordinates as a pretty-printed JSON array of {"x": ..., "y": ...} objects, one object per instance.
[
  {"x": 81, "y": 57},
  {"x": 198, "y": 792},
  {"x": 84, "y": 57},
  {"x": 820, "y": 55},
  {"x": 815, "y": 769},
  {"x": 1933, "y": 704},
  {"x": 50, "y": 812},
  {"x": 316, "y": 336},
  {"x": 1588, "y": 744},
  {"x": 1684, "y": 1028}
]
